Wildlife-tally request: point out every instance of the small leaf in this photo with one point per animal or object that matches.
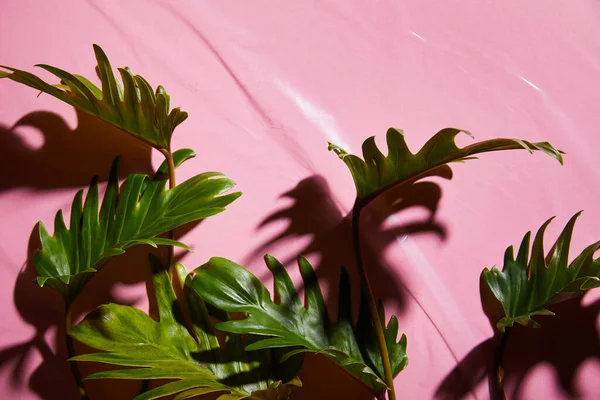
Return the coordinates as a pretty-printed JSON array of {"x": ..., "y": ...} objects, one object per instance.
[
  {"x": 377, "y": 173},
  {"x": 527, "y": 285},
  {"x": 135, "y": 213},
  {"x": 133, "y": 108},
  {"x": 164, "y": 349},
  {"x": 230, "y": 287}
]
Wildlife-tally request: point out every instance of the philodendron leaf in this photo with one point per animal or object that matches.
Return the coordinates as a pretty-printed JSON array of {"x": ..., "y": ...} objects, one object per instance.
[
  {"x": 377, "y": 172},
  {"x": 135, "y": 213},
  {"x": 231, "y": 287},
  {"x": 165, "y": 349},
  {"x": 527, "y": 285},
  {"x": 133, "y": 106}
]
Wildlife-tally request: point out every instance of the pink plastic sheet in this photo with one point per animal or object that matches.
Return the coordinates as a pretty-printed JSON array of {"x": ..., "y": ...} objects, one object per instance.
[{"x": 267, "y": 85}]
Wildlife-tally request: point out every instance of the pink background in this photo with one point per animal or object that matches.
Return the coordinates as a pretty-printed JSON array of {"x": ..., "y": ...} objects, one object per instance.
[{"x": 267, "y": 84}]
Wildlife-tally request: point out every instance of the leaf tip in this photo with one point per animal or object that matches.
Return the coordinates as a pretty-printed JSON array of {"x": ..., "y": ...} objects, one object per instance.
[
  {"x": 341, "y": 153},
  {"x": 468, "y": 133},
  {"x": 98, "y": 49}
]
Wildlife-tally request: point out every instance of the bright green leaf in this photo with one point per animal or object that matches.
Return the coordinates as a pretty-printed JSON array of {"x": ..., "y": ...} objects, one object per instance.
[
  {"x": 230, "y": 287},
  {"x": 165, "y": 349},
  {"x": 135, "y": 213},
  {"x": 377, "y": 173},
  {"x": 133, "y": 106},
  {"x": 527, "y": 285}
]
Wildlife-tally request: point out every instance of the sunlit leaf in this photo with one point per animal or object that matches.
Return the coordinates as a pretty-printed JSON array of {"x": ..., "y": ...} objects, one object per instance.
[
  {"x": 132, "y": 106},
  {"x": 528, "y": 284},
  {"x": 377, "y": 173},
  {"x": 231, "y": 287},
  {"x": 165, "y": 349},
  {"x": 134, "y": 213}
]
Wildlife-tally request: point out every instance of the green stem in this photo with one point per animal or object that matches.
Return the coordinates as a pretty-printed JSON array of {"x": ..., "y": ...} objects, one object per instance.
[
  {"x": 71, "y": 354},
  {"x": 366, "y": 286},
  {"x": 175, "y": 282},
  {"x": 171, "y": 166},
  {"x": 172, "y": 270},
  {"x": 498, "y": 391}
]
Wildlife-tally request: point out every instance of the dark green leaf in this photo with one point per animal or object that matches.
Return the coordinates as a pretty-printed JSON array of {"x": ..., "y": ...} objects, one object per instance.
[
  {"x": 230, "y": 287},
  {"x": 135, "y": 213},
  {"x": 527, "y": 285},
  {"x": 164, "y": 349},
  {"x": 133, "y": 107},
  {"x": 377, "y": 172},
  {"x": 366, "y": 334}
]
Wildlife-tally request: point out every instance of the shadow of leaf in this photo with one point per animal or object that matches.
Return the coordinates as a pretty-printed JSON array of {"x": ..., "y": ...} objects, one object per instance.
[
  {"x": 66, "y": 158},
  {"x": 313, "y": 213},
  {"x": 574, "y": 327}
]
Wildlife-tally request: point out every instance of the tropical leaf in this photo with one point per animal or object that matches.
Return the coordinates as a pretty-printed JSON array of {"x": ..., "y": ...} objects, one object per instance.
[
  {"x": 165, "y": 349},
  {"x": 527, "y": 285},
  {"x": 377, "y": 173},
  {"x": 135, "y": 213},
  {"x": 131, "y": 106},
  {"x": 230, "y": 287}
]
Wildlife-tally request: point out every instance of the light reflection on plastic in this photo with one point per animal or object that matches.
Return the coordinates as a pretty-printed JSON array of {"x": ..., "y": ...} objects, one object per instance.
[{"x": 319, "y": 117}]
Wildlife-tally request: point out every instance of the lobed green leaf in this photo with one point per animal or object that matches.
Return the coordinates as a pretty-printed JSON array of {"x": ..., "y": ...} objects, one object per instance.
[
  {"x": 132, "y": 214},
  {"x": 528, "y": 284},
  {"x": 131, "y": 106},
  {"x": 165, "y": 349},
  {"x": 230, "y": 287},
  {"x": 377, "y": 173}
]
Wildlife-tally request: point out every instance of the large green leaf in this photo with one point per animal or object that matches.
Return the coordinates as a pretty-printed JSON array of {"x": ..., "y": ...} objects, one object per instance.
[
  {"x": 135, "y": 213},
  {"x": 132, "y": 106},
  {"x": 377, "y": 172},
  {"x": 231, "y": 287},
  {"x": 164, "y": 349},
  {"x": 526, "y": 286}
]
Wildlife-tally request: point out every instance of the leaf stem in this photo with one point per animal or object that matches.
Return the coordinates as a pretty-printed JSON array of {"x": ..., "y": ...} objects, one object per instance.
[
  {"x": 71, "y": 354},
  {"x": 175, "y": 282},
  {"x": 375, "y": 318},
  {"x": 171, "y": 165},
  {"x": 172, "y": 183},
  {"x": 498, "y": 386}
]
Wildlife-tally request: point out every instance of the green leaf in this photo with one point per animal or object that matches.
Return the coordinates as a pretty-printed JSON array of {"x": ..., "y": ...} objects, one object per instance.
[
  {"x": 230, "y": 287},
  {"x": 527, "y": 285},
  {"x": 165, "y": 349},
  {"x": 135, "y": 213},
  {"x": 132, "y": 106},
  {"x": 377, "y": 173}
]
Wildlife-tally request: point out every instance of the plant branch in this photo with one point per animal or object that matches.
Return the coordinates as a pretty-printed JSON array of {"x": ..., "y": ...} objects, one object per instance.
[
  {"x": 375, "y": 318},
  {"x": 71, "y": 354},
  {"x": 498, "y": 382}
]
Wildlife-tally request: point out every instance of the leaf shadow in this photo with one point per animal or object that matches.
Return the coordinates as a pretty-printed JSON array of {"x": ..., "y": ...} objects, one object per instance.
[
  {"x": 41, "y": 309},
  {"x": 65, "y": 157},
  {"x": 574, "y": 326},
  {"x": 313, "y": 213},
  {"x": 283, "y": 372},
  {"x": 44, "y": 311}
]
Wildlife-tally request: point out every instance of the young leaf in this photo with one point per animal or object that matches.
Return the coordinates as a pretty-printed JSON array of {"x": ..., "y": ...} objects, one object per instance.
[
  {"x": 132, "y": 107},
  {"x": 377, "y": 173},
  {"x": 230, "y": 287},
  {"x": 526, "y": 286},
  {"x": 164, "y": 349},
  {"x": 135, "y": 213}
]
